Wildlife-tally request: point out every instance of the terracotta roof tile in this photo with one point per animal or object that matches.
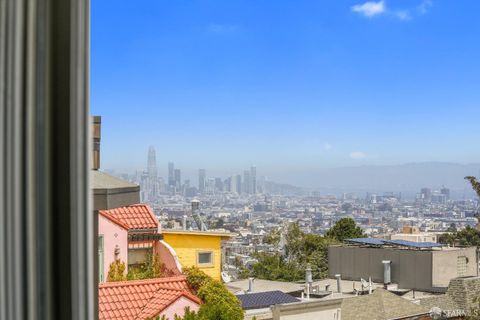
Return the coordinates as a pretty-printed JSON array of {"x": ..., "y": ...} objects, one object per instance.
[
  {"x": 134, "y": 217},
  {"x": 140, "y": 299}
]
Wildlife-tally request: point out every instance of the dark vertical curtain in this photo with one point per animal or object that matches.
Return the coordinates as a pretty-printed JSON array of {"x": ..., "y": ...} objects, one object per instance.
[{"x": 46, "y": 222}]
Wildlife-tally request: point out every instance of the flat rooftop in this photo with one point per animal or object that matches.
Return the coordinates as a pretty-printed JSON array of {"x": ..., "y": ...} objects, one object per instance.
[
  {"x": 213, "y": 233},
  {"x": 102, "y": 180},
  {"x": 404, "y": 244}
]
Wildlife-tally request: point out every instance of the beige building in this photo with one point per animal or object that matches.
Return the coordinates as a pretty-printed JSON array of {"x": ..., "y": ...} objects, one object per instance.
[
  {"x": 413, "y": 234},
  {"x": 410, "y": 268}
]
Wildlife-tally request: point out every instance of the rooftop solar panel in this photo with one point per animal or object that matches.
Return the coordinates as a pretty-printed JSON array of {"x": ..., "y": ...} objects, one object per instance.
[
  {"x": 403, "y": 243},
  {"x": 412, "y": 244},
  {"x": 368, "y": 241},
  {"x": 264, "y": 299}
]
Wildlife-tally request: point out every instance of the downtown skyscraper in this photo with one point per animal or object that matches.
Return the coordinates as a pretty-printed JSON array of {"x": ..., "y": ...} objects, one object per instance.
[
  {"x": 202, "y": 180},
  {"x": 151, "y": 187}
]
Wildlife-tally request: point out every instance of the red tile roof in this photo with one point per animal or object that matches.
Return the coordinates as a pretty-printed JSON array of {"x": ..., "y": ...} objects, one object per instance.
[
  {"x": 140, "y": 299},
  {"x": 136, "y": 216},
  {"x": 107, "y": 215}
]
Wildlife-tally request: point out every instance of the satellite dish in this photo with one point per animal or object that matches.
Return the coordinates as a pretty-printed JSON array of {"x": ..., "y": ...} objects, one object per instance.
[{"x": 226, "y": 277}]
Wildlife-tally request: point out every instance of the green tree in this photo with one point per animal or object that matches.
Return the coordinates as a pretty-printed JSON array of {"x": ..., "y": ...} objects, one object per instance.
[
  {"x": 219, "y": 303},
  {"x": 448, "y": 238},
  {"x": 452, "y": 227},
  {"x": 273, "y": 237},
  {"x": 466, "y": 237},
  {"x": 294, "y": 241},
  {"x": 476, "y": 187},
  {"x": 345, "y": 228},
  {"x": 301, "y": 250},
  {"x": 475, "y": 184},
  {"x": 188, "y": 315},
  {"x": 196, "y": 278},
  {"x": 116, "y": 271},
  {"x": 276, "y": 267}
]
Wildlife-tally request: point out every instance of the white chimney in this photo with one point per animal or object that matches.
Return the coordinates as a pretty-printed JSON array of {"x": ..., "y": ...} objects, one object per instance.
[
  {"x": 339, "y": 283},
  {"x": 387, "y": 270},
  {"x": 250, "y": 285}
]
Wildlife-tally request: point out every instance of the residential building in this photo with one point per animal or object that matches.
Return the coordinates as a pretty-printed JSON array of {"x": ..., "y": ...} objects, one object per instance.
[
  {"x": 112, "y": 243},
  {"x": 459, "y": 300},
  {"x": 382, "y": 304},
  {"x": 201, "y": 249},
  {"x": 145, "y": 299},
  {"x": 418, "y": 266},
  {"x": 144, "y": 236},
  {"x": 410, "y": 233},
  {"x": 111, "y": 192}
]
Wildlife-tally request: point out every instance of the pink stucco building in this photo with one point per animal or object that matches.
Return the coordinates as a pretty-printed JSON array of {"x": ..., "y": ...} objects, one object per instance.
[
  {"x": 112, "y": 243},
  {"x": 130, "y": 234}
]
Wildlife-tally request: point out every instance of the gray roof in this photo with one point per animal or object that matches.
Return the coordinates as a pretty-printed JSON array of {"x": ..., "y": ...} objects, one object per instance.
[
  {"x": 380, "y": 305},
  {"x": 261, "y": 285},
  {"x": 443, "y": 302},
  {"x": 264, "y": 299},
  {"x": 461, "y": 295},
  {"x": 102, "y": 180}
]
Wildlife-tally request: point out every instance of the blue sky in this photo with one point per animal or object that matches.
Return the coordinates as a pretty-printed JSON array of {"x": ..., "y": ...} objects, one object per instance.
[{"x": 286, "y": 85}]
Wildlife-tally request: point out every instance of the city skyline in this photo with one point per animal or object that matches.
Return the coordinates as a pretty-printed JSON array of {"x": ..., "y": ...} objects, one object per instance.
[
  {"x": 230, "y": 83},
  {"x": 406, "y": 180}
]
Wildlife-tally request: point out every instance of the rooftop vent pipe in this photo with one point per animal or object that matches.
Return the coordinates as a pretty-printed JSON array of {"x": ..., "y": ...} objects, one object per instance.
[
  {"x": 339, "y": 283},
  {"x": 308, "y": 280},
  {"x": 387, "y": 271},
  {"x": 250, "y": 284}
]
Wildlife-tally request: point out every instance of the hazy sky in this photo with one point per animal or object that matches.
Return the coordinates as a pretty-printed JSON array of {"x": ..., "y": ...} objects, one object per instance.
[{"x": 286, "y": 85}]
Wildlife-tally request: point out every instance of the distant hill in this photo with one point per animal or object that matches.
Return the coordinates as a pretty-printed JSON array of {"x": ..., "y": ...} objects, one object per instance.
[{"x": 407, "y": 178}]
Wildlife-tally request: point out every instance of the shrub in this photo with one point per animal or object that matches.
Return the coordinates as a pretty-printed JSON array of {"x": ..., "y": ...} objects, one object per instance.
[{"x": 116, "y": 271}]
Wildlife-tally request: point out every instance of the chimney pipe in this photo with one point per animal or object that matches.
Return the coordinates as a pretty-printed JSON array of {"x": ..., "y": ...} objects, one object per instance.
[
  {"x": 308, "y": 280},
  {"x": 339, "y": 282},
  {"x": 250, "y": 285},
  {"x": 387, "y": 270},
  {"x": 97, "y": 135}
]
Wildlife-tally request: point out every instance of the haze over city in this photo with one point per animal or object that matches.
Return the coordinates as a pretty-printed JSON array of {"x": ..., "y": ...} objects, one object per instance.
[{"x": 285, "y": 86}]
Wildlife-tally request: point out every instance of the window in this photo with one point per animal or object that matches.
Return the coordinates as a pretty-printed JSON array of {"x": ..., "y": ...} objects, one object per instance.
[
  {"x": 101, "y": 271},
  {"x": 205, "y": 257},
  {"x": 138, "y": 256},
  {"x": 462, "y": 266}
]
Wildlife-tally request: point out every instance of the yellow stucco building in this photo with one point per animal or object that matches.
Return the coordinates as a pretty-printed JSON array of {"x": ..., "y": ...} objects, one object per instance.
[{"x": 198, "y": 248}]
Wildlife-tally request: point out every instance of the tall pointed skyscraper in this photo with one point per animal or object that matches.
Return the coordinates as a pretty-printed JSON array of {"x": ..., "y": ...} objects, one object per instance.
[
  {"x": 152, "y": 185},
  {"x": 152, "y": 163},
  {"x": 202, "y": 177}
]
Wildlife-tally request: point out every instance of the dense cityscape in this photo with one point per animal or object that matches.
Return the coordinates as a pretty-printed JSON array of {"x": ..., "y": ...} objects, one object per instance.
[{"x": 252, "y": 207}]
